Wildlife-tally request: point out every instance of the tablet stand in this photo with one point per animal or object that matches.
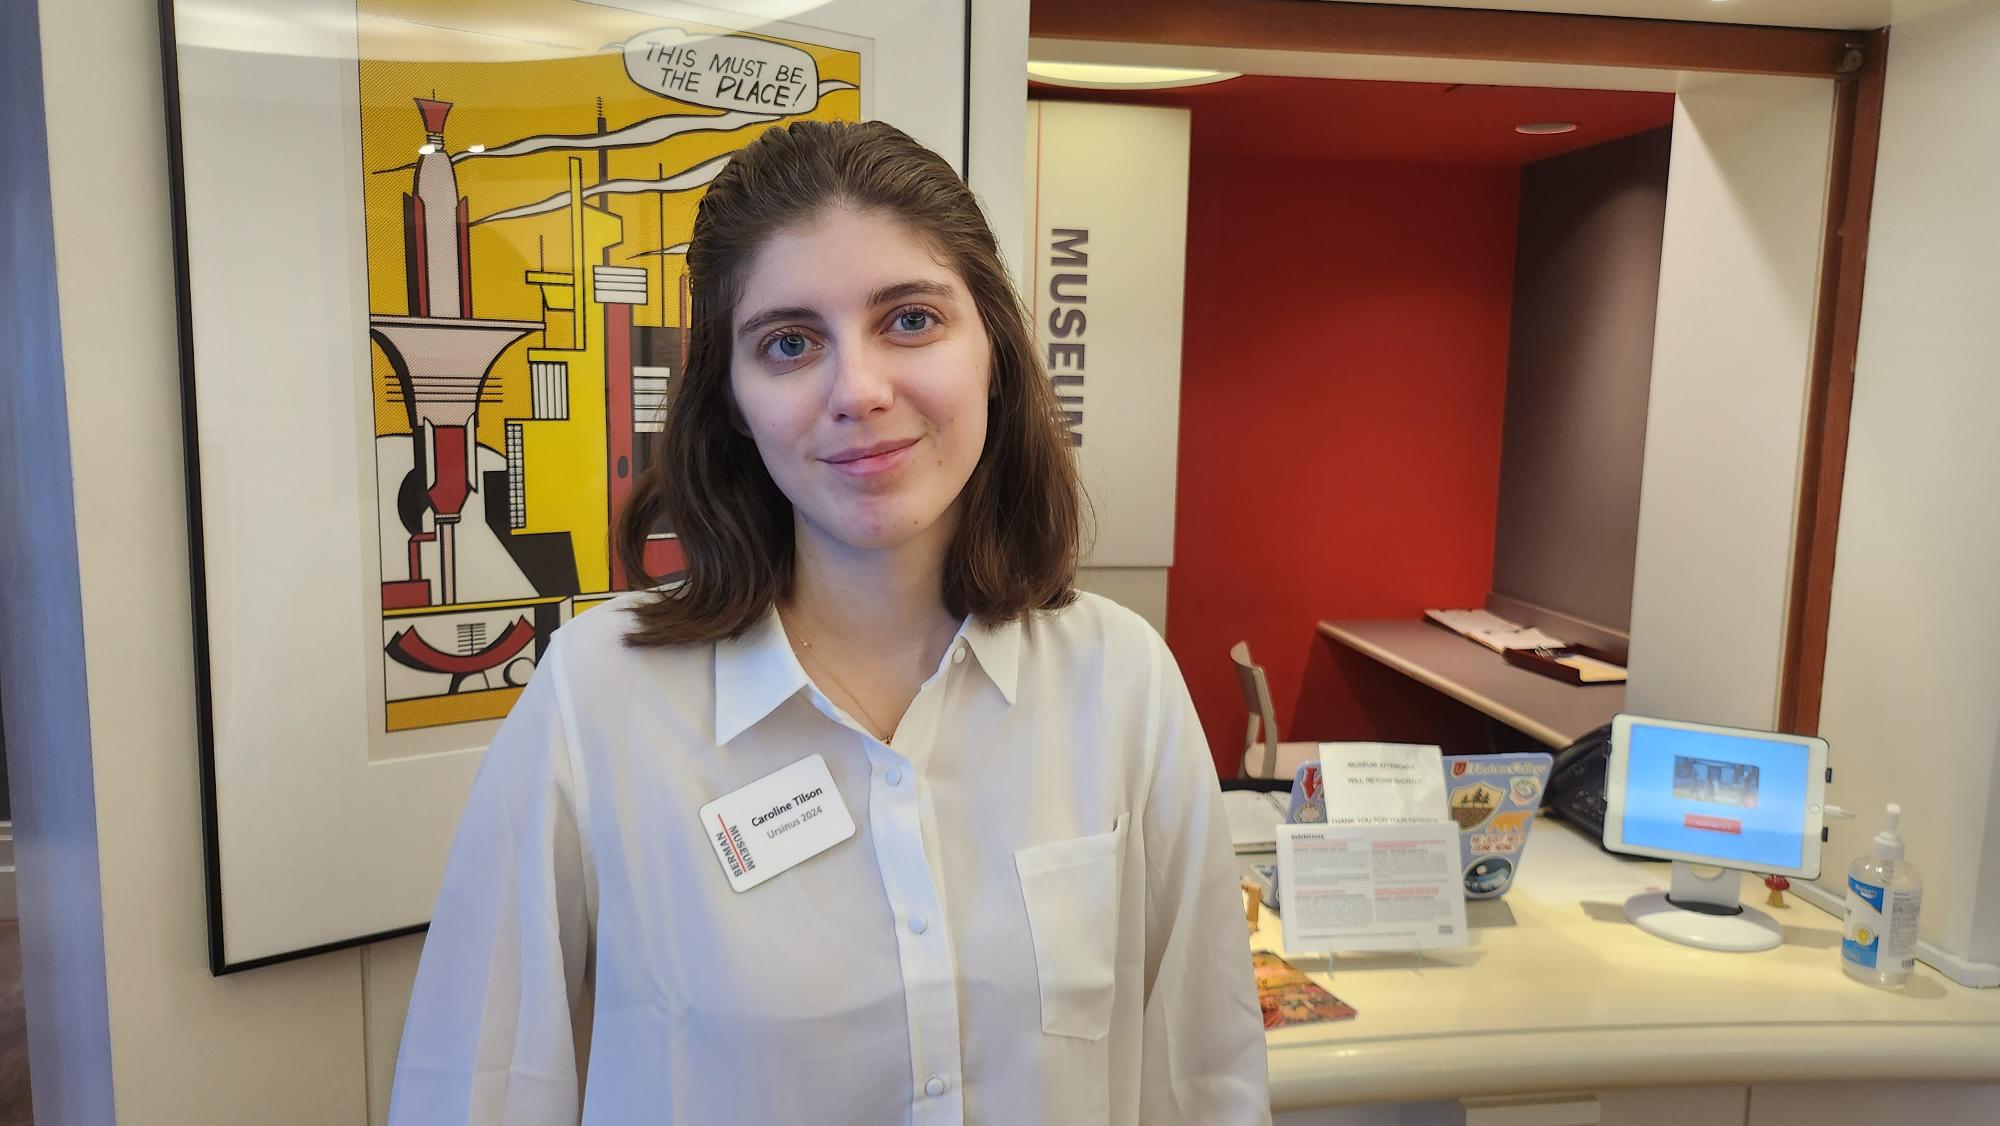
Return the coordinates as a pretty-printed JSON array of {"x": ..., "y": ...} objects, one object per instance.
[{"x": 1704, "y": 911}]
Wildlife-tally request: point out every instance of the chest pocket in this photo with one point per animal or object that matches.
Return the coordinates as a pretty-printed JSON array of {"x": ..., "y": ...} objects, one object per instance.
[{"x": 1071, "y": 892}]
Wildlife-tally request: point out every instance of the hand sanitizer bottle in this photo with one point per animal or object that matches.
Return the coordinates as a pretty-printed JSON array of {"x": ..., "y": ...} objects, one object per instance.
[{"x": 1884, "y": 893}]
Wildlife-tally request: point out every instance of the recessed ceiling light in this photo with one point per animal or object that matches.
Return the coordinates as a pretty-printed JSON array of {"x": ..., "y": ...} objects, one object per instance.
[
  {"x": 1096, "y": 76},
  {"x": 1546, "y": 128}
]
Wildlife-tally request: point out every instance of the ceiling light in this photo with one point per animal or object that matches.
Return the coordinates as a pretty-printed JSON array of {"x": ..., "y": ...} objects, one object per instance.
[
  {"x": 1097, "y": 76},
  {"x": 1546, "y": 128}
]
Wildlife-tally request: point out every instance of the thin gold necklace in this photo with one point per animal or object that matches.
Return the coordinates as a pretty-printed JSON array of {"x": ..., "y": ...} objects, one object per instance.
[{"x": 875, "y": 726}]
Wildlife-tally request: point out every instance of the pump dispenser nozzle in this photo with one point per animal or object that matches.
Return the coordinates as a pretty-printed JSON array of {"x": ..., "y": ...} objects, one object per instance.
[{"x": 1888, "y": 845}]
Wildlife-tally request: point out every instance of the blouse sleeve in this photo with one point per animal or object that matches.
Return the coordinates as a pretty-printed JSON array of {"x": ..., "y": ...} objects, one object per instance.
[
  {"x": 1204, "y": 1057},
  {"x": 499, "y": 1020}
]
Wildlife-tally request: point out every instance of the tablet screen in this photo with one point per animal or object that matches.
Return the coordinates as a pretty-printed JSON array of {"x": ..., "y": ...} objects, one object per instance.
[{"x": 1736, "y": 798}]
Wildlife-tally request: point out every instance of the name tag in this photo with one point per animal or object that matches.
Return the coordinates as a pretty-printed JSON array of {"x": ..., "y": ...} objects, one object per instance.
[{"x": 781, "y": 819}]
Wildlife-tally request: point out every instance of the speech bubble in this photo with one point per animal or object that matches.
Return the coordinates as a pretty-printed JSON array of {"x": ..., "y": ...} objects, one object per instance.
[{"x": 723, "y": 71}]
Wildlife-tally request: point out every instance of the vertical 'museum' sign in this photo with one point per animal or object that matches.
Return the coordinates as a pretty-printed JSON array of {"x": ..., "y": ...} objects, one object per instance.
[{"x": 1108, "y": 216}]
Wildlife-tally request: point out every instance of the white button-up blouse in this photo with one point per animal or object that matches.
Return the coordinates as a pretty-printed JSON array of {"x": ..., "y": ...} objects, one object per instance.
[{"x": 1036, "y": 921}]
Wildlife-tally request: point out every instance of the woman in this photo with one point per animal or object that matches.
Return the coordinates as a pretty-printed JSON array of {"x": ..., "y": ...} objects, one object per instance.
[{"x": 873, "y": 818}]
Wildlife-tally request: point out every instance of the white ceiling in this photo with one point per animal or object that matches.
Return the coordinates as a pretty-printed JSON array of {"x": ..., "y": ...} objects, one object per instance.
[
  {"x": 1319, "y": 64},
  {"x": 1784, "y": 13}
]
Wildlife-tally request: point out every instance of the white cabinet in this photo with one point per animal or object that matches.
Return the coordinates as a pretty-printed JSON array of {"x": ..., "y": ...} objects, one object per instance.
[
  {"x": 1870, "y": 1103},
  {"x": 1385, "y": 1114},
  {"x": 1648, "y": 1106}
]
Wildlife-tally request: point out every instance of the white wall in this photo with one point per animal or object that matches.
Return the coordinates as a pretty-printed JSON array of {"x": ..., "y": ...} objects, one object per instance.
[
  {"x": 1912, "y": 688},
  {"x": 1142, "y": 590},
  {"x": 1000, "y": 116},
  {"x": 1725, "y": 416}
]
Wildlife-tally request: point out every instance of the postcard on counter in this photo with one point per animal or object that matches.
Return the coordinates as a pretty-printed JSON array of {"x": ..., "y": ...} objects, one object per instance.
[
  {"x": 1349, "y": 888},
  {"x": 1289, "y": 997}
]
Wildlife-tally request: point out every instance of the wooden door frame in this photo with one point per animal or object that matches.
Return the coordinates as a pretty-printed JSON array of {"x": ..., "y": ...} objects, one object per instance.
[
  {"x": 1857, "y": 133},
  {"x": 1855, "y": 60}
]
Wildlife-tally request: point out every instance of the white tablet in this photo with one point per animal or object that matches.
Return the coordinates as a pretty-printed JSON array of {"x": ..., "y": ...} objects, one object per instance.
[{"x": 1715, "y": 795}]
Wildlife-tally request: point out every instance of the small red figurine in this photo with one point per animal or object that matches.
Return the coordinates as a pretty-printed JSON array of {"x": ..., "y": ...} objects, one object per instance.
[{"x": 1778, "y": 885}]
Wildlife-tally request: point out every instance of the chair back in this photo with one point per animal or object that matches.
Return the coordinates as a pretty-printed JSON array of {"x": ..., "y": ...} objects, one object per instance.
[{"x": 1262, "y": 727}]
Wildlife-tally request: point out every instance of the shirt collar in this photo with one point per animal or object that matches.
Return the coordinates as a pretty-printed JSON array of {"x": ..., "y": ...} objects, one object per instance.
[
  {"x": 757, "y": 670},
  {"x": 999, "y": 652}
]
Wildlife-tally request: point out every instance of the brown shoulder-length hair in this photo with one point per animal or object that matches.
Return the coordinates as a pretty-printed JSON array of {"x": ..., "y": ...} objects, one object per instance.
[{"x": 1016, "y": 546}]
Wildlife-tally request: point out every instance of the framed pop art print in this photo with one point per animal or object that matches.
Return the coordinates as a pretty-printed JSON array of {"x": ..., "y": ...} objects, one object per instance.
[{"x": 432, "y": 298}]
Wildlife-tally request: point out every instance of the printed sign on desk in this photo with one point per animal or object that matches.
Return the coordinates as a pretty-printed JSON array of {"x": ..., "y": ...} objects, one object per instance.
[
  {"x": 1346, "y": 888},
  {"x": 1374, "y": 783}
]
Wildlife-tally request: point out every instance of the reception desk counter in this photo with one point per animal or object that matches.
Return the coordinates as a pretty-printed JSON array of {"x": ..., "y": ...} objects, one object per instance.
[{"x": 1557, "y": 992}]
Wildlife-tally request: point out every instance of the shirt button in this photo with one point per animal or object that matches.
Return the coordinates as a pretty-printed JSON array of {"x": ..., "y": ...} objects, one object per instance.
[
  {"x": 918, "y": 925},
  {"x": 934, "y": 1087},
  {"x": 895, "y": 776},
  {"x": 958, "y": 655}
]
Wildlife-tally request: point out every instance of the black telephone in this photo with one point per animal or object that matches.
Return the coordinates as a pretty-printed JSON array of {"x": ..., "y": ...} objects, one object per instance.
[{"x": 1576, "y": 781}]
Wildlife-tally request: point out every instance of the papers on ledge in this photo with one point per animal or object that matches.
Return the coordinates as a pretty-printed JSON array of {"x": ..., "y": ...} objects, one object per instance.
[{"x": 1493, "y": 631}]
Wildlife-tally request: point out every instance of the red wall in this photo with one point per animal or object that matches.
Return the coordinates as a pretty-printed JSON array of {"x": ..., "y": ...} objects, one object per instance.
[{"x": 1343, "y": 378}]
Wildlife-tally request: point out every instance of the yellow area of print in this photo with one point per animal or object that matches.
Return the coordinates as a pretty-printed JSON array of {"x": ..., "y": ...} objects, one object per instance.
[{"x": 530, "y": 174}]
